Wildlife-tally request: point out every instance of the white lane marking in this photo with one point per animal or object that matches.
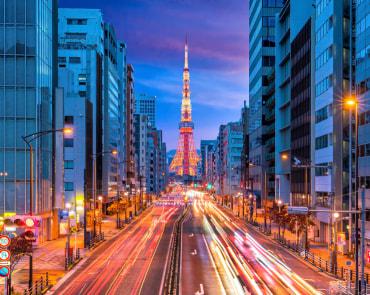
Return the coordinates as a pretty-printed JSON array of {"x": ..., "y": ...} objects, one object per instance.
[
  {"x": 214, "y": 266},
  {"x": 201, "y": 292},
  {"x": 194, "y": 252}
]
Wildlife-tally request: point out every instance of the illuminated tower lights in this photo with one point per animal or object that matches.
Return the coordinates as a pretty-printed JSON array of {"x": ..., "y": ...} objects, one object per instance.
[{"x": 186, "y": 158}]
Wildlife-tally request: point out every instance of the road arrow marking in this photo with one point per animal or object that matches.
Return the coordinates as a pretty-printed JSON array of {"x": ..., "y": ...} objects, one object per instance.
[
  {"x": 194, "y": 252},
  {"x": 201, "y": 292}
]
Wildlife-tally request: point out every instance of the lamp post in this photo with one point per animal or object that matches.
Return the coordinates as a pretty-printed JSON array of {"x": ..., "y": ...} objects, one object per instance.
[
  {"x": 28, "y": 140},
  {"x": 352, "y": 105},
  {"x": 68, "y": 207},
  {"x": 94, "y": 156},
  {"x": 264, "y": 194},
  {"x": 279, "y": 202},
  {"x": 100, "y": 198}
]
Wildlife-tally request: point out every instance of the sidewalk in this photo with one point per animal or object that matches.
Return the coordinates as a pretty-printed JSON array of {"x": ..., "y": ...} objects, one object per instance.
[
  {"x": 50, "y": 257},
  {"x": 319, "y": 250}
]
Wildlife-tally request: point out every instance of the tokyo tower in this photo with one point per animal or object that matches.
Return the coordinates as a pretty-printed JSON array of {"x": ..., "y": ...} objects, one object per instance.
[{"x": 186, "y": 158}]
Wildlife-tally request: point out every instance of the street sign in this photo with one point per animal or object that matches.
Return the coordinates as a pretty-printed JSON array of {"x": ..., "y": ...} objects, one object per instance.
[
  {"x": 4, "y": 271},
  {"x": 4, "y": 241},
  {"x": 4, "y": 255},
  {"x": 295, "y": 210}
]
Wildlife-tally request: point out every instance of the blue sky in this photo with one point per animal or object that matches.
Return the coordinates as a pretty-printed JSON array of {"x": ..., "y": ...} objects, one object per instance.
[{"x": 155, "y": 30}]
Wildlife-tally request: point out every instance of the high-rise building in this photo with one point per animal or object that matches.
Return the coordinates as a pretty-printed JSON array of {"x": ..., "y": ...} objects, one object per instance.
[
  {"x": 186, "y": 160},
  {"x": 363, "y": 93},
  {"x": 333, "y": 82},
  {"x": 130, "y": 129},
  {"x": 282, "y": 104},
  {"x": 232, "y": 146},
  {"x": 245, "y": 151},
  {"x": 145, "y": 105},
  {"x": 294, "y": 102},
  {"x": 141, "y": 140},
  {"x": 261, "y": 63},
  {"x": 156, "y": 180},
  {"x": 205, "y": 147},
  {"x": 80, "y": 68},
  {"x": 28, "y": 78},
  {"x": 111, "y": 113}
]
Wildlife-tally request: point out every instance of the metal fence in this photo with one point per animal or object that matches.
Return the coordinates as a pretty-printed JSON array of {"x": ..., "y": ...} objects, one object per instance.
[
  {"x": 342, "y": 273},
  {"x": 41, "y": 286}
]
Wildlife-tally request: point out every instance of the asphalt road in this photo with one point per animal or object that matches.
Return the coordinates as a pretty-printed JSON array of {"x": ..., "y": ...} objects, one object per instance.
[
  {"x": 121, "y": 266},
  {"x": 198, "y": 273},
  {"x": 256, "y": 240},
  {"x": 153, "y": 279}
]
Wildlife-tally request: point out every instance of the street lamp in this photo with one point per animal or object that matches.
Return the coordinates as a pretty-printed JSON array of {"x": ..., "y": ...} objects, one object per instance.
[
  {"x": 68, "y": 207},
  {"x": 351, "y": 103},
  {"x": 279, "y": 202},
  {"x": 264, "y": 169},
  {"x": 28, "y": 140},
  {"x": 94, "y": 156},
  {"x": 100, "y": 198}
]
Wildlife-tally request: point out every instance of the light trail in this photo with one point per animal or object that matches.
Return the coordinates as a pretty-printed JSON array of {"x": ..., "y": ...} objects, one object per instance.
[{"x": 273, "y": 268}]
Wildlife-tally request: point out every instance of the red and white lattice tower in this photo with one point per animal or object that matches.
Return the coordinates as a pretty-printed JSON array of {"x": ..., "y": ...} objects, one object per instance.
[{"x": 186, "y": 158}]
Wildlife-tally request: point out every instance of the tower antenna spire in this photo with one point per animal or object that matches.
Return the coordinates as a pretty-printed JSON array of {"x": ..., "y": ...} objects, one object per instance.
[{"x": 186, "y": 65}]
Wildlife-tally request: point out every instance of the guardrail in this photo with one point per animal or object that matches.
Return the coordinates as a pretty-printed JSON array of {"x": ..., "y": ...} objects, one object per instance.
[
  {"x": 342, "y": 273},
  {"x": 172, "y": 276},
  {"x": 95, "y": 240},
  {"x": 41, "y": 286}
]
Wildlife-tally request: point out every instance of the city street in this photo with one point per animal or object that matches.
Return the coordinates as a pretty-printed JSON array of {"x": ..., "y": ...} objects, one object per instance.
[{"x": 121, "y": 266}]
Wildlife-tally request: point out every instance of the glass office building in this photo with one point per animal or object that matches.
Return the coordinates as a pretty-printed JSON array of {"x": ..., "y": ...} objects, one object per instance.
[{"x": 26, "y": 103}]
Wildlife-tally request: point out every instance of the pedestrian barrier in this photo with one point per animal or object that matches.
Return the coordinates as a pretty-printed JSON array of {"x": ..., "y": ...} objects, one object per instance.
[
  {"x": 342, "y": 273},
  {"x": 41, "y": 286},
  {"x": 95, "y": 240},
  {"x": 172, "y": 276}
]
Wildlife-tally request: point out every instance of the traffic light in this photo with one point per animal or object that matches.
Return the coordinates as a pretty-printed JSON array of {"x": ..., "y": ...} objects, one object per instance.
[
  {"x": 29, "y": 231},
  {"x": 25, "y": 226},
  {"x": 209, "y": 186}
]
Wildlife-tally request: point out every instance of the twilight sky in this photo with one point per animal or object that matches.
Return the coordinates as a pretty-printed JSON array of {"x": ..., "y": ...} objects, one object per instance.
[{"x": 154, "y": 31}]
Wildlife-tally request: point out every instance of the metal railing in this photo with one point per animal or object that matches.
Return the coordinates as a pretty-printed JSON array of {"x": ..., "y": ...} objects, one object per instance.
[
  {"x": 41, "y": 286},
  {"x": 345, "y": 274},
  {"x": 95, "y": 240},
  {"x": 172, "y": 276}
]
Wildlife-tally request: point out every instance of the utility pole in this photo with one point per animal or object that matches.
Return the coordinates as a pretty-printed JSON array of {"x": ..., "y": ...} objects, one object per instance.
[{"x": 363, "y": 218}]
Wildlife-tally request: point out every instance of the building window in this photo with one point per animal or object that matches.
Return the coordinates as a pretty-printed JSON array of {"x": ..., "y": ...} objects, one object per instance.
[
  {"x": 68, "y": 142},
  {"x": 324, "y": 29},
  {"x": 268, "y": 61},
  {"x": 273, "y": 3},
  {"x": 364, "y": 118},
  {"x": 268, "y": 21},
  {"x": 68, "y": 186},
  {"x": 323, "y": 141},
  {"x": 62, "y": 59},
  {"x": 82, "y": 79},
  {"x": 364, "y": 150},
  {"x": 324, "y": 57},
  {"x": 268, "y": 41},
  {"x": 68, "y": 119},
  {"x": 76, "y": 21},
  {"x": 82, "y": 93},
  {"x": 324, "y": 113},
  {"x": 74, "y": 59},
  {"x": 321, "y": 6},
  {"x": 68, "y": 164},
  {"x": 77, "y": 36},
  {"x": 324, "y": 85}
]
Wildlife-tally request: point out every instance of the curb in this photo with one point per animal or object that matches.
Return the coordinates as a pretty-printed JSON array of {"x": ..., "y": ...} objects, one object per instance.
[{"x": 92, "y": 250}]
